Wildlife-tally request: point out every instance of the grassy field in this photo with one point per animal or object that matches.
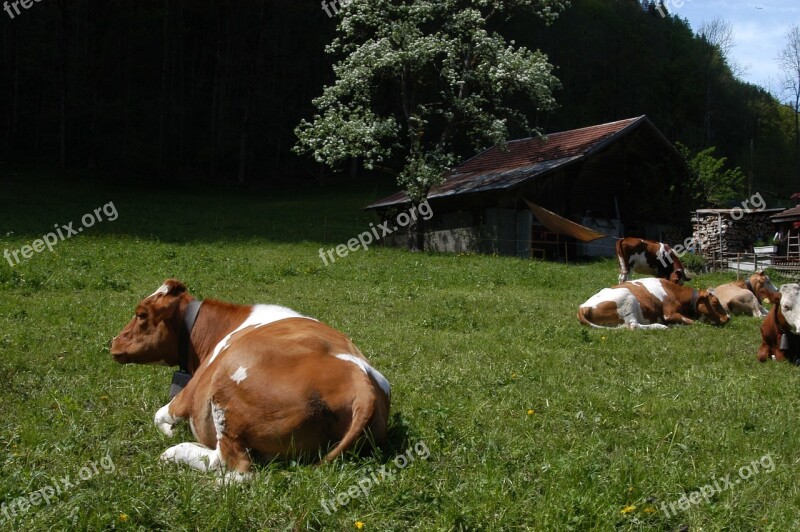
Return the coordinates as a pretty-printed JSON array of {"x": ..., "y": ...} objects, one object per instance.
[{"x": 529, "y": 420}]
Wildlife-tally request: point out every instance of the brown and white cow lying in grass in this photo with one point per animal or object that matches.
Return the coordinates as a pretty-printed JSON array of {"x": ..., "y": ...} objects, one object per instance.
[
  {"x": 650, "y": 304},
  {"x": 780, "y": 330},
  {"x": 744, "y": 297},
  {"x": 266, "y": 381}
]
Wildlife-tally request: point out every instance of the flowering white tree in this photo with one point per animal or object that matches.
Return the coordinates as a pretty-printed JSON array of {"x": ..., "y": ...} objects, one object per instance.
[{"x": 415, "y": 78}]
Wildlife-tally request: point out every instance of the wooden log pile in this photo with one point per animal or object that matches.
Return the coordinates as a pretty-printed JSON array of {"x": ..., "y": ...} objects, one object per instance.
[{"x": 719, "y": 233}]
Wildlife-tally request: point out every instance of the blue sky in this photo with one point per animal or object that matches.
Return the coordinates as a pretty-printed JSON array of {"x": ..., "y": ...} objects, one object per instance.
[{"x": 759, "y": 27}]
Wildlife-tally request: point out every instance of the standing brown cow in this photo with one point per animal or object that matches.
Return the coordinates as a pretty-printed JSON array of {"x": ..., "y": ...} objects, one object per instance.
[{"x": 651, "y": 258}]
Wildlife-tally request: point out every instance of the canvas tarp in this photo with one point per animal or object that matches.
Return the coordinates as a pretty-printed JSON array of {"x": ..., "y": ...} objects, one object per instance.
[{"x": 560, "y": 225}]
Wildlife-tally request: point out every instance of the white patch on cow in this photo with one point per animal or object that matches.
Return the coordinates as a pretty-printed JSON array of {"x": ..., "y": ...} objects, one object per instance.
[
  {"x": 218, "y": 416},
  {"x": 369, "y": 370},
  {"x": 194, "y": 455},
  {"x": 790, "y": 306},
  {"x": 239, "y": 375},
  {"x": 654, "y": 286},
  {"x": 191, "y": 427},
  {"x": 661, "y": 254},
  {"x": 260, "y": 315},
  {"x": 639, "y": 263},
  {"x": 162, "y": 290},
  {"x": 618, "y": 296},
  {"x": 165, "y": 421},
  {"x": 628, "y": 308},
  {"x": 623, "y": 269}
]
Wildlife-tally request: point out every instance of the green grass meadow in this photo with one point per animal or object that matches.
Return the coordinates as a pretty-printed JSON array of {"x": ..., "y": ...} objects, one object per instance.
[{"x": 532, "y": 421}]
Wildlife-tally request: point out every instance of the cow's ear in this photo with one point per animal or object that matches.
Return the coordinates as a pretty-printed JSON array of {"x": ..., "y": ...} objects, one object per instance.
[{"x": 174, "y": 287}]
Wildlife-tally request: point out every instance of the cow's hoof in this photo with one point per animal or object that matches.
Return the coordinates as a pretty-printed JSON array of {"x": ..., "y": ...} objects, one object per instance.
[
  {"x": 234, "y": 477},
  {"x": 164, "y": 421}
]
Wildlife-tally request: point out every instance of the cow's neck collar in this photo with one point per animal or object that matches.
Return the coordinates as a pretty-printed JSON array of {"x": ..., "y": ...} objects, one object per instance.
[
  {"x": 695, "y": 296},
  {"x": 749, "y": 285},
  {"x": 189, "y": 319}
]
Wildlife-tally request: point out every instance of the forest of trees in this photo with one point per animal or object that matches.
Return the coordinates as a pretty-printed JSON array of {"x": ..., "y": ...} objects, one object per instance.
[{"x": 213, "y": 89}]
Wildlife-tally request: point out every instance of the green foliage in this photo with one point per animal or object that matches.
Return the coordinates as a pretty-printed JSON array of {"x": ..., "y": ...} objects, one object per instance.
[
  {"x": 712, "y": 184},
  {"x": 693, "y": 262},
  {"x": 421, "y": 82}
]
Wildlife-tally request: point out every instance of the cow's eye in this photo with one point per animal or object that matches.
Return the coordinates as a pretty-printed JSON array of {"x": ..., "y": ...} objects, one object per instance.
[{"x": 141, "y": 315}]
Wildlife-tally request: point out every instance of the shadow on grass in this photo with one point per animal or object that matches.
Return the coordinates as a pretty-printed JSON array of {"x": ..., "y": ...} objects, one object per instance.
[{"x": 33, "y": 205}]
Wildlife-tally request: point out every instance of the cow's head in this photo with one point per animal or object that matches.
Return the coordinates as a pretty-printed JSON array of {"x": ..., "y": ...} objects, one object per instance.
[
  {"x": 709, "y": 307},
  {"x": 151, "y": 337},
  {"x": 790, "y": 306},
  {"x": 762, "y": 286}
]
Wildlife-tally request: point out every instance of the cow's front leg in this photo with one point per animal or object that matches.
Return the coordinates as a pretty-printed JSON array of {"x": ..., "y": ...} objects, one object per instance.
[
  {"x": 193, "y": 455},
  {"x": 174, "y": 412},
  {"x": 677, "y": 317},
  {"x": 764, "y": 353}
]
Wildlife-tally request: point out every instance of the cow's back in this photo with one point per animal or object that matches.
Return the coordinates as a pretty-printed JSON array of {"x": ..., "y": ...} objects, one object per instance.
[{"x": 286, "y": 381}]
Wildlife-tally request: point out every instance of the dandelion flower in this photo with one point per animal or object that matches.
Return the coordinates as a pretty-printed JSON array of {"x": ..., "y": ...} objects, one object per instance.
[
  {"x": 628, "y": 509},
  {"x": 530, "y": 411},
  {"x": 359, "y": 525},
  {"x": 123, "y": 517}
]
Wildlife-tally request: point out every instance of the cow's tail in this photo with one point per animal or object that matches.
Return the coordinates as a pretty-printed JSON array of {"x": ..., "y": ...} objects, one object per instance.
[
  {"x": 585, "y": 316},
  {"x": 366, "y": 415}
]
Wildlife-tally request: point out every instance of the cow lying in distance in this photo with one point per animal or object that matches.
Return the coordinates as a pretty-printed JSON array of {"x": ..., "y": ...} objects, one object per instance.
[
  {"x": 650, "y": 304},
  {"x": 266, "y": 381},
  {"x": 651, "y": 258},
  {"x": 779, "y": 331},
  {"x": 744, "y": 297}
]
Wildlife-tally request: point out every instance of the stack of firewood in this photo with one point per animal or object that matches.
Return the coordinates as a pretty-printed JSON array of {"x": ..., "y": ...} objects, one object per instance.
[{"x": 721, "y": 235}]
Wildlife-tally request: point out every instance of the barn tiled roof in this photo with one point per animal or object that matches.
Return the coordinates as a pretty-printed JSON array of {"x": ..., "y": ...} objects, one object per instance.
[
  {"x": 789, "y": 215},
  {"x": 497, "y": 168}
]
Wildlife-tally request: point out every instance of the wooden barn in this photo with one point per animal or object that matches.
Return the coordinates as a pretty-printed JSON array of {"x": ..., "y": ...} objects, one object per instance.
[{"x": 615, "y": 179}]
